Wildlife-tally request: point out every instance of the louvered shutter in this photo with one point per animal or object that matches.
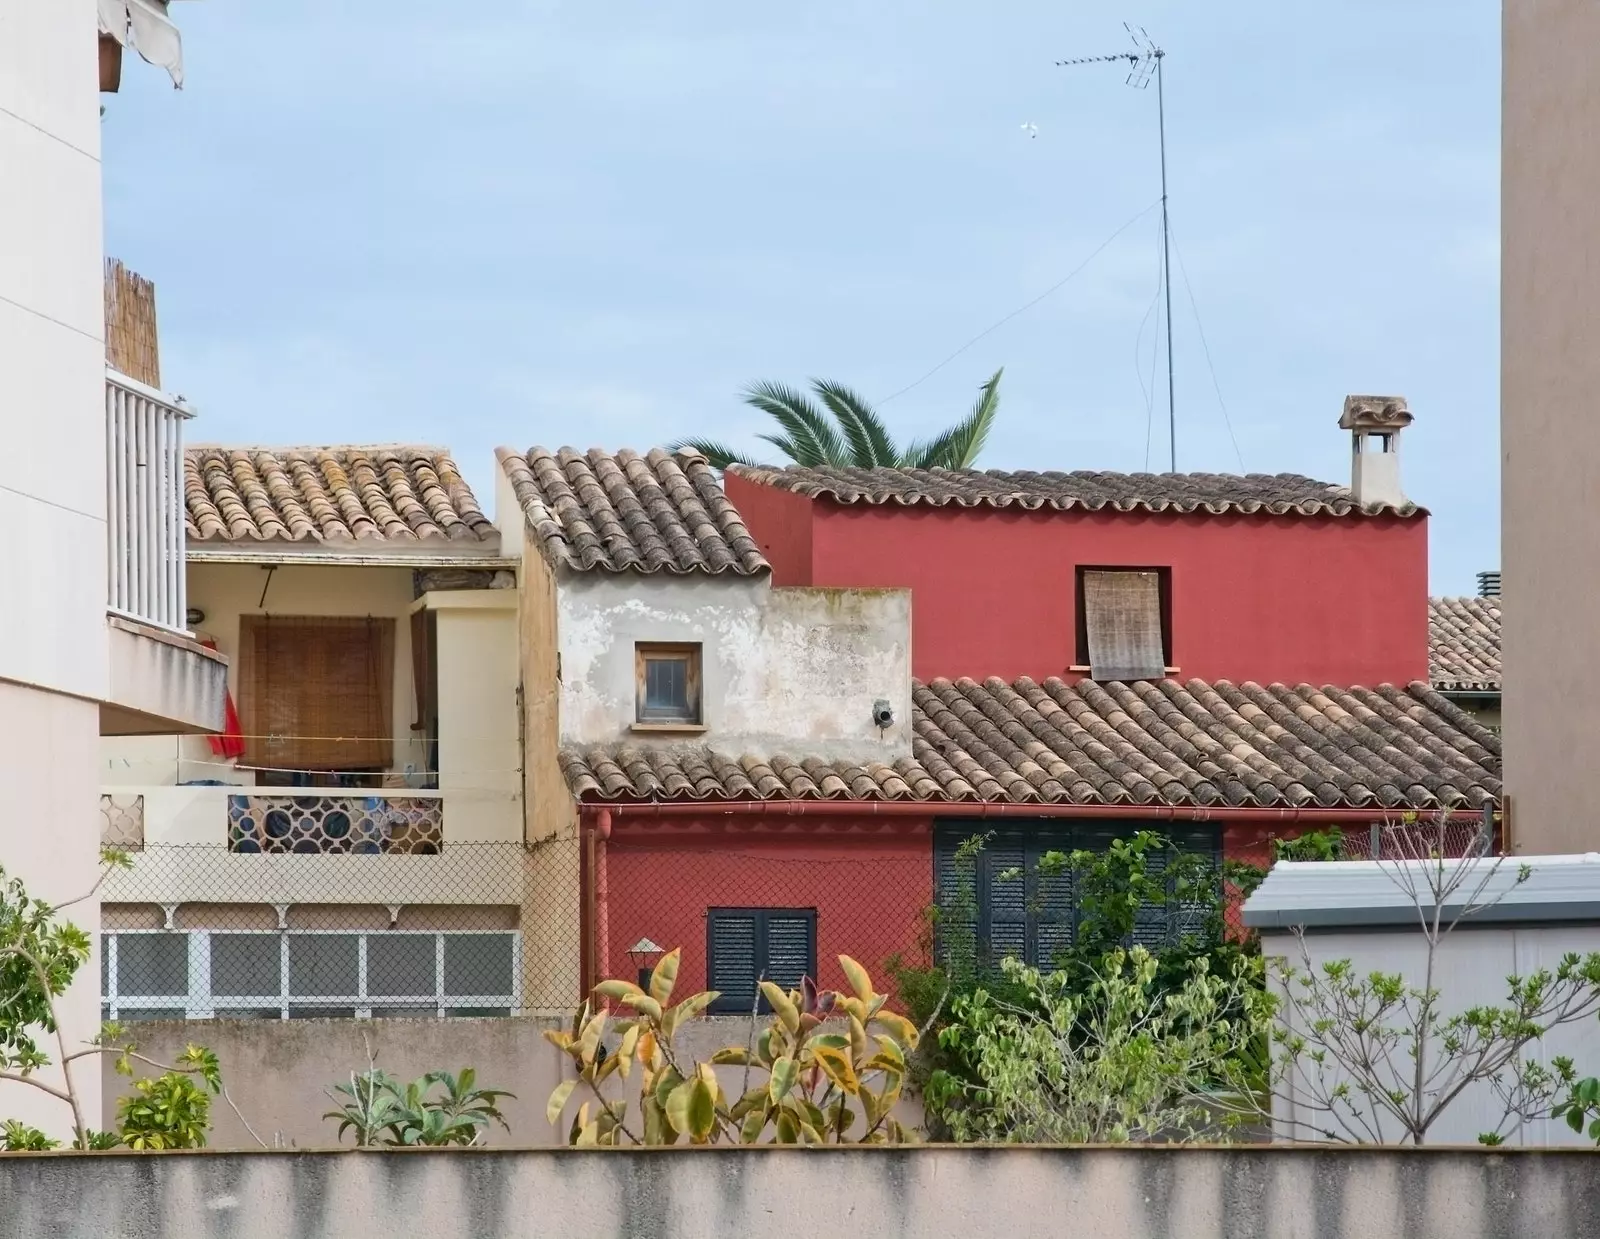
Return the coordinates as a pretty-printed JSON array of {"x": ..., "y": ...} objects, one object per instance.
[
  {"x": 955, "y": 893},
  {"x": 731, "y": 964},
  {"x": 791, "y": 948},
  {"x": 1189, "y": 917},
  {"x": 1153, "y": 922},
  {"x": 1053, "y": 903},
  {"x": 1005, "y": 882}
]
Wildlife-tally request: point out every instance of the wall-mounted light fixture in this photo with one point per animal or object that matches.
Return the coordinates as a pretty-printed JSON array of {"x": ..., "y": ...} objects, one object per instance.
[
  {"x": 644, "y": 954},
  {"x": 195, "y": 617}
]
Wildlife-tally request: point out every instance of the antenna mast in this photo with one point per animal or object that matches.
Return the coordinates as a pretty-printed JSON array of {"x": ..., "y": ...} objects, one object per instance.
[{"x": 1144, "y": 61}]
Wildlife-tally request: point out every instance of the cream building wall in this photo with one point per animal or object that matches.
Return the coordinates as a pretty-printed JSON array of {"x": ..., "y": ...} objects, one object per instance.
[
  {"x": 53, "y": 642},
  {"x": 1549, "y": 434}
]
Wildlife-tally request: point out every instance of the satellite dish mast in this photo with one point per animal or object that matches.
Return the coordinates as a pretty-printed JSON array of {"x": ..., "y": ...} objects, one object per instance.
[{"x": 1144, "y": 62}]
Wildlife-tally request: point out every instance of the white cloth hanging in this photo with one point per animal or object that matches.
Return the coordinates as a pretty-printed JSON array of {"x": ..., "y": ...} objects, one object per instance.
[{"x": 144, "y": 26}]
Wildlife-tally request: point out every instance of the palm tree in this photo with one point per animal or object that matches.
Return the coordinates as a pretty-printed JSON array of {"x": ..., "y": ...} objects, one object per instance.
[{"x": 854, "y": 436}]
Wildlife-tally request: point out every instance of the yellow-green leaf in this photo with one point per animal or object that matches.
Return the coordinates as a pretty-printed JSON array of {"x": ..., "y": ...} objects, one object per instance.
[
  {"x": 558, "y": 1100},
  {"x": 561, "y": 1040},
  {"x": 617, "y": 990},
  {"x": 665, "y": 976},
  {"x": 589, "y": 1042},
  {"x": 788, "y": 1013},
  {"x": 754, "y": 1124},
  {"x": 858, "y": 977},
  {"x": 625, "y": 1052},
  {"x": 788, "y": 1128},
  {"x": 782, "y": 1079},
  {"x": 810, "y": 1135},
  {"x": 732, "y": 1056},
  {"x": 644, "y": 1004},
  {"x": 837, "y": 1067},
  {"x": 649, "y": 1052},
  {"x": 860, "y": 1046},
  {"x": 588, "y": 1136},
  {"x": 691, "y": 1109},
  {"x": 900, "y": 1028},
  {"x": 889, "y": 1053}
]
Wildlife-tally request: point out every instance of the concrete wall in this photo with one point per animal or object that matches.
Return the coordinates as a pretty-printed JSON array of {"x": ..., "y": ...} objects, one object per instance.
[
  {"x": 783, "y": 670},
  {"x": 1019, "y": 1193},
  {"x": 1549, "y": 438},
  {"x": 53, "y": 506},
  {"x": 1470, "y": 969}
]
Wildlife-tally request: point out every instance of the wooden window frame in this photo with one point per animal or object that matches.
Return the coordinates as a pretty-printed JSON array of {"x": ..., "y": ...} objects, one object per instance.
[
  {"x": 738, "y": 1006},
  {"x": 688, "y": 652},
  {"x": 1081, "y": 615}
]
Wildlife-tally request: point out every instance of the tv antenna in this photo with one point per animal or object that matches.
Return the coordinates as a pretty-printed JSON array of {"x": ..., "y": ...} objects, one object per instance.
[{"x": 1144, "y": 62}]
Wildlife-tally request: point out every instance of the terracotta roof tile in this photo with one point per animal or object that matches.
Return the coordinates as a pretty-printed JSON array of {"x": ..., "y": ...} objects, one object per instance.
[
  {"x": 1277, "y": 494},
  {"x": 329, "y": 494},
  {"x": 1159, "y": 743},
  {"x": 1464, "y": 643},
  {"x": 660, "y": 512}
]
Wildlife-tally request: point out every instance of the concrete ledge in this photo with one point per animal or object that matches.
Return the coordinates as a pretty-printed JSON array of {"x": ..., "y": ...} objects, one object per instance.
[
  {"x": 1153, "y": 1193},
  {"x": 162, "y": 683}
]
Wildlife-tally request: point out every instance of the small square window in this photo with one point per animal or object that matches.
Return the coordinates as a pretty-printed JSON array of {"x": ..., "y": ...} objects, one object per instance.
[
  {"x": 1124, "y": 621},
  {"x": 667, "y": 684}
]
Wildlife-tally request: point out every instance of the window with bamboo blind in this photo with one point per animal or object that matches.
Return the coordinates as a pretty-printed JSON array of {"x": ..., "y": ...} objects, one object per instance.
[
  {"x": 1124, "y": 622},
  {"x": 317, "y": 692}
]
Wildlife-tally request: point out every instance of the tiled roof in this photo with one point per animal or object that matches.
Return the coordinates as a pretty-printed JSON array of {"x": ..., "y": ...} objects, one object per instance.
[
  {"x": 1274, "y": 493},
  {"x": 329, "y": 494},
  {"x": 660, "y": 512},
  {"x": 1464, "y": 643},
  {"x": 1162, "y": 743}
]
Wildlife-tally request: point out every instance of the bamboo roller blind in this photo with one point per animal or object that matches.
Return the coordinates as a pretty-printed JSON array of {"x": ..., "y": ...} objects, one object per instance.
[
  {"x": 317, "y": 692},
  {"x": 1122, "y": 612}
]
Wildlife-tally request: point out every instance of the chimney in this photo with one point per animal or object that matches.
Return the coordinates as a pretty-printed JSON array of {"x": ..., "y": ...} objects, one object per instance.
[
  {"x": 1489, "y": 584},
  {"x": 1375, "y": 423}
]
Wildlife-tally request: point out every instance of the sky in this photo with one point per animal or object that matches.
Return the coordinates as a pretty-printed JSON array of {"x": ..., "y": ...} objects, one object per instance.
[{"x": 551, "y": 222}]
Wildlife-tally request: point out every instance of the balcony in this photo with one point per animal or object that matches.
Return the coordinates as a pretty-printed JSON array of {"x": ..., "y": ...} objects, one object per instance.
[{"x": 163, "y": 682}]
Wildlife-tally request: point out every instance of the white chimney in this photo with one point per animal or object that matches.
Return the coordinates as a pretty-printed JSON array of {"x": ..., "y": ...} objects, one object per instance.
[{"x": 1375, "y": 423}]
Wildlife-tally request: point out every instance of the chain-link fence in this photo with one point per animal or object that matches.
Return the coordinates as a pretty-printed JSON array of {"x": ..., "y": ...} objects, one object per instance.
[{"x": 205, "y": 931}]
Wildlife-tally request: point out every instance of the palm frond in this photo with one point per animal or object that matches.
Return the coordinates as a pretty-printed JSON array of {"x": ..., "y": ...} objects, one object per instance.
[
  {"x": 815, "y": 440},
  {"x": 719, "y": 455},
  {"x": 864, "y": 431},
  {"x": 784, "y": 444},
  {"x": 960, "y": 446}
]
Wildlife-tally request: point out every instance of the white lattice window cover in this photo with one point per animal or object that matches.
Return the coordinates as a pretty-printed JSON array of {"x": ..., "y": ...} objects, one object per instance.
[
  {"x": 336, "y": 824},
  {"x": 122, "y": 821}
]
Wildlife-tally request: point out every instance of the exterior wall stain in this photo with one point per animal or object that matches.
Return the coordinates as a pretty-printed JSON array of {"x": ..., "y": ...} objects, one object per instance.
[{"x": 1250, "y": 1192}]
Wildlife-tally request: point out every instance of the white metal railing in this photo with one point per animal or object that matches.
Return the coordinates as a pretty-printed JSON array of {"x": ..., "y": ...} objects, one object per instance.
[{"x": 144, "y": 503}]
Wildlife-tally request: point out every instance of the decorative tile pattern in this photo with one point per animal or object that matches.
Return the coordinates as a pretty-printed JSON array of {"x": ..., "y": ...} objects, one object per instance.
[
  {"x": 1153, "y": 742},
  {"x": 660, "y": 512},
  {"x": 329, "y": 494},
  {"x": 122, "y": 821},
  {"x": 1279, "y": 494},
  {"x": 1464, "y": 644},
  {"x": 332, "y": 824}
]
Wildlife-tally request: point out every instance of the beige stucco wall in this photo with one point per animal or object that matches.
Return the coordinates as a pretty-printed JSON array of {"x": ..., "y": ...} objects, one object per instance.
[
  {"x": 783, "y": 670},
  {"x": 49, "y": 838},
  {"x": 778, "y": 1193},
  {"x": 1549, "y": 435}
]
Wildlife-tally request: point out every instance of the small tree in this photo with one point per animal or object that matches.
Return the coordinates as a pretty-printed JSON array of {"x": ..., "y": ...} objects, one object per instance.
[
  {"x": 1379, "y": 1058},
  {"x": 40, "y": 953},
  {"x": 1120, "y": 1058}
]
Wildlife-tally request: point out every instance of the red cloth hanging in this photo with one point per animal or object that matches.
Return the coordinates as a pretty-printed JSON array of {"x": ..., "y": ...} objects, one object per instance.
[{"x": 230, "y": 743}]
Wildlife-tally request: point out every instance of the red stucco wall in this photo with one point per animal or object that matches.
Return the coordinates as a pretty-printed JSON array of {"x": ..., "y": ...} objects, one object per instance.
[
  {"x": 1292, "y": 599},
  {"x": 870, "y": 891}
]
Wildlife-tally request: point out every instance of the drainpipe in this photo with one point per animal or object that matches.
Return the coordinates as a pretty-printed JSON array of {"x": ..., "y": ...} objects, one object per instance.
[{"x": 598, "y": 822}]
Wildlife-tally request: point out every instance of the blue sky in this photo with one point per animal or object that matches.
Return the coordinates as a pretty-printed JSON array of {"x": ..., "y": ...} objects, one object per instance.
[{"x": 553, "y": 222}]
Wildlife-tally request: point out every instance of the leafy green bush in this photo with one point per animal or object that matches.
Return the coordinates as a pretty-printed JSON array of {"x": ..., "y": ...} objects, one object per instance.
[
  {"x": 170, "y": 1111},
  {"x": 437, "y": 1109}
]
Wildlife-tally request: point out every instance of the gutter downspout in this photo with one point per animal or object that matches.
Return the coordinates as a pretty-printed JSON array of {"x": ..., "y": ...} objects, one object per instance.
[{"x": 597, "y": 824}]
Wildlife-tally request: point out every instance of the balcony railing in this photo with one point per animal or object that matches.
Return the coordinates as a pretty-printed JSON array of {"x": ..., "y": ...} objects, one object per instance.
[{"x": 144, "y": 503}]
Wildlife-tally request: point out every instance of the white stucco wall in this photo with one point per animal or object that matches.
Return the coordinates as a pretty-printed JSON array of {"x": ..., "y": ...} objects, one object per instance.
[
  {"x": 52, "y": 508},
  {"x": 784, "y": 671},
  {"x": 1471, "y": 967}
]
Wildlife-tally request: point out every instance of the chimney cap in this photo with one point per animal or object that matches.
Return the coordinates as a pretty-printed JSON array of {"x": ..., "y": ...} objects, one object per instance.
[{"x": 1383, "y": 413}]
